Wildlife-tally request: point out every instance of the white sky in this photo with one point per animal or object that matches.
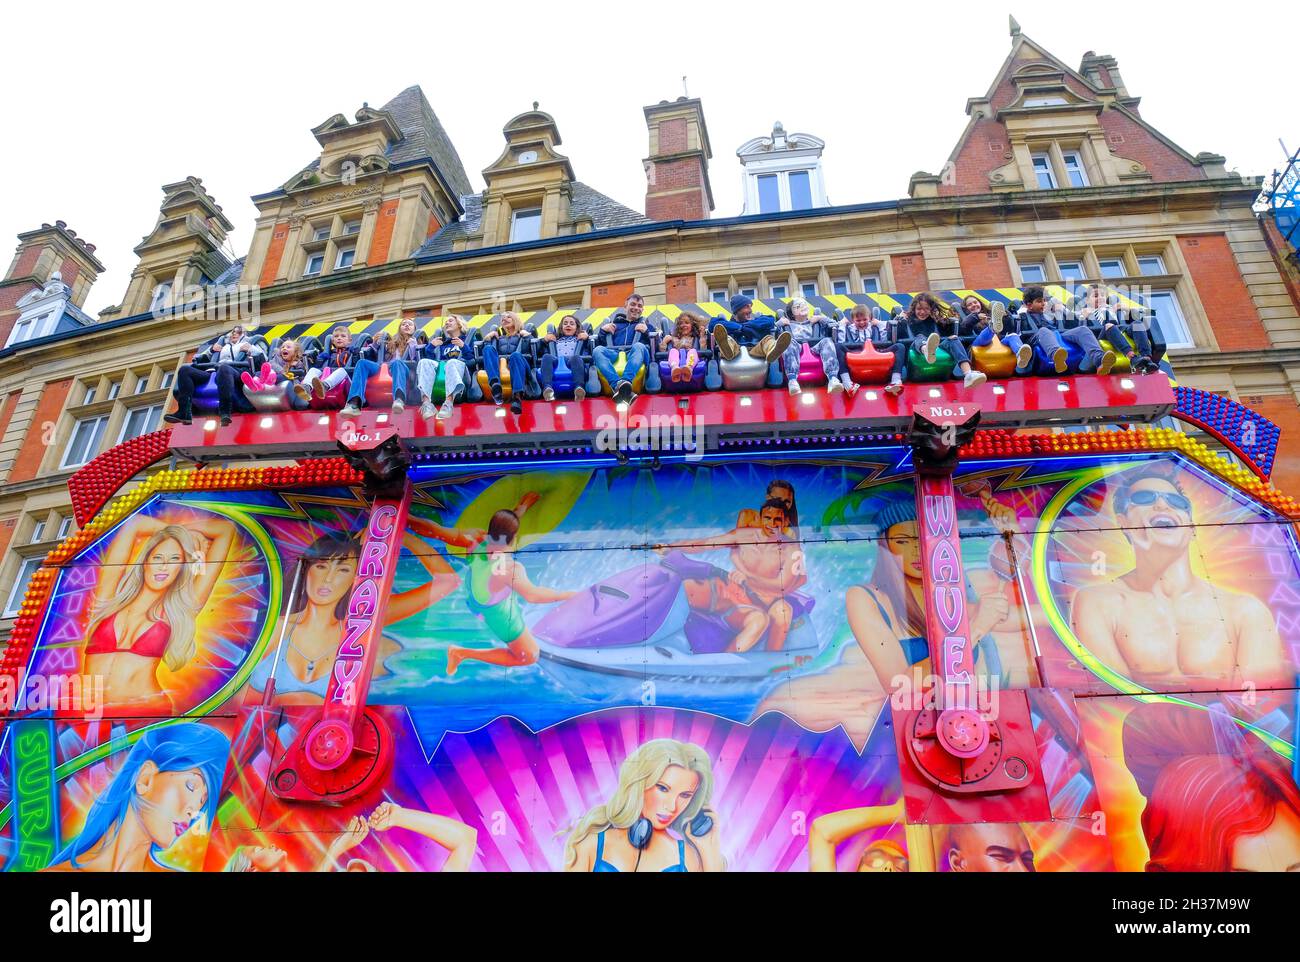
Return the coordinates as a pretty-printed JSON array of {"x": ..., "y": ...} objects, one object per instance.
[{"x": 107, "y": 102}]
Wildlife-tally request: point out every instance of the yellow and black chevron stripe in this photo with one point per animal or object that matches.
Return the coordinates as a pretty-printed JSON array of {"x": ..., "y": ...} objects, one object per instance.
[{"x": 544, "y": 321}]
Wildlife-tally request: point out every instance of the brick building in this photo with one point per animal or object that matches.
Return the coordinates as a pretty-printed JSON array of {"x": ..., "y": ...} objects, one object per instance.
[{"x": 1057, "y": 177}]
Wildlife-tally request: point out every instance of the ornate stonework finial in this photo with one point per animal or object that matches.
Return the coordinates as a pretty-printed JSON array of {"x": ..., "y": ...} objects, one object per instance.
[
  {"x": 534, "y": 104},
  {"x": 1015, "y": 27}
]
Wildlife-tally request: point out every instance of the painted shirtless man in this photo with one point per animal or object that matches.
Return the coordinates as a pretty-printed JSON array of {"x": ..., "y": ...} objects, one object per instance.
[
  {"x": 767, "y": 566},
  {"x": 1162, "y": 625}
]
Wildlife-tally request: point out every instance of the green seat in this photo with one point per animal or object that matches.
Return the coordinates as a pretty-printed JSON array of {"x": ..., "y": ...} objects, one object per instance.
[
  {"x": 1122, "y": 363},
  {"x": 919, "y": 369}
]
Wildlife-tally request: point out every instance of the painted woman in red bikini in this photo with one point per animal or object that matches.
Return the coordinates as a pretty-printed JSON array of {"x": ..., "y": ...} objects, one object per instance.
[{"x": 146, "y": 603}]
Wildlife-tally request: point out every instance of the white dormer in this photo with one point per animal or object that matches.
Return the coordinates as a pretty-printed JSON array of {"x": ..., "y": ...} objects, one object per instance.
[
  {"x": 42, "y": 309},
  {"x": 782, "y": 172}
]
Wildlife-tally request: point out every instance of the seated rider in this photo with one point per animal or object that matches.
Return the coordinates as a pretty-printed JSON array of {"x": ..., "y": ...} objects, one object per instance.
[
  {"x": 625, "y": 331},
  {"x": 985, "y": 326},
  {"x": 1050, "y": 331},
  {"x": 746, "y": 330},
  {"x": 333, "y": 364},
  {"x": 862, "y": 327},
  {"x": 930, "y": 326},
  {"x": 805, "y": 327},
  {"x": 1099, "y": 313}
]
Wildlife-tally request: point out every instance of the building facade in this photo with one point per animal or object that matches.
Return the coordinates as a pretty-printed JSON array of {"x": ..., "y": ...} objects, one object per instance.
[{"x": 1056, "y": 178}]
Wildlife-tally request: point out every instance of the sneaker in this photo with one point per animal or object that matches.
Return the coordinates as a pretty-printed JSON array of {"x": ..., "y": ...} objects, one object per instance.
[
  {"x": 301, "y": 393},
  {"x": 895, "y": 385},
  {"x": 1144, "y": 365},
  {"x": 794, "y": 387},
  {"x": 974, "y": 379},
  {"x": 931, "y": 350},
  {"x": 996, "y": 311},
  {"x": 833, "y": 386},
  {"x": 728, "y": 349},
  {"x": 548, "y": 394},
  {"x": 249, "y": 381},
  {"x": 850, "y": 385},
  {"x": 225, "y": 420},
  {"x": 427, "y": 410},
  {"x": 497, "y": 397},
  {"x": 516, "y": 405},
  {"x": 1107, "y": 362},
  {"x": 1059, "y": 362},
  {"x": 317, "y": 388},
  {"x": 350, "y": 410},
  {"x": 623, "y": 393},
  {"x": 579, "y": 393},
  {"x": 398, "y": 406},
  {"x": 780, "y": 347},
  {"x": 177, "y": 417},
  {"x": 1024, "y": 357},
  {"x": 444, "y": 412}
]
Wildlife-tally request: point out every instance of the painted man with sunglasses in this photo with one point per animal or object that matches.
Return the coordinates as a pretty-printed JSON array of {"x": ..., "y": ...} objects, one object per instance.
[{"x": 1162, "y": 625}]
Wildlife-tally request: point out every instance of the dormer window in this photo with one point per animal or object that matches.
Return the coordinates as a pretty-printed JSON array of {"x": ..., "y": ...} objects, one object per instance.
[
  {"x": 526, "y": 225},
  {"x": 788, "y": 190}
]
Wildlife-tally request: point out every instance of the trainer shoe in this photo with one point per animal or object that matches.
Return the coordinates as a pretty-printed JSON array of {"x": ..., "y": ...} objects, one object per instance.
[{"x": 931, "y": 350}]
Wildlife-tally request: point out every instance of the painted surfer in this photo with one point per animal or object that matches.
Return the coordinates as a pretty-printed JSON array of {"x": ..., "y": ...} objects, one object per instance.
[
  {"x": 757, "y": 598},
  {"x": 495, "y": 583}
]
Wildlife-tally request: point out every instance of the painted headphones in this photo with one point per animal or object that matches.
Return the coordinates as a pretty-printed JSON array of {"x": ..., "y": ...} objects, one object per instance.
[{"x": 642, "y": 830}]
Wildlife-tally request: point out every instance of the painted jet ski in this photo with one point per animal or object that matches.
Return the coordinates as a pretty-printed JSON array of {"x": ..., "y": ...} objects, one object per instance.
[{"x": 636, "y": 626}]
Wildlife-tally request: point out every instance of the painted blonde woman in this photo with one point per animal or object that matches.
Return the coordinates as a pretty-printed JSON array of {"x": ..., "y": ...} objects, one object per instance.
[
  {"x": 154, "y": 581},
  {"x": 658, "y": 819}
]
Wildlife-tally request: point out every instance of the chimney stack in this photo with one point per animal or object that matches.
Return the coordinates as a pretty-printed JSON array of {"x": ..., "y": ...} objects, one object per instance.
[
  {"x": 48, "y": 250},
  {"x": 677, "y": 170}
]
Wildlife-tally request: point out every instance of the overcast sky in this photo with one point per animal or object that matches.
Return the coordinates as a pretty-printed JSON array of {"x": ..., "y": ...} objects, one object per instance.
[{"x": 107, "y": 102}]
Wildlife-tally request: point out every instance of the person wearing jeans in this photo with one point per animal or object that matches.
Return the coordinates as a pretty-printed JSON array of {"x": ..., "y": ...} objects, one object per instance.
[
  {"x": 929, "y": 329},
  {"x": 1100, "y": 315},
  {"x": 987, "y": 327},
  {"x": 507, "y": 341},
  {"x": 569, "y": 341},
  {"x": 1050, "y": 335},
  {"x": 380, "y": 351},
  {"x": 625, "y": 331}
]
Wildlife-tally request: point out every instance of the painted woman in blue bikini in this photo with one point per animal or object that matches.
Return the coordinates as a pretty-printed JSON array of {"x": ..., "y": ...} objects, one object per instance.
[{"x": 658, "y": 819}]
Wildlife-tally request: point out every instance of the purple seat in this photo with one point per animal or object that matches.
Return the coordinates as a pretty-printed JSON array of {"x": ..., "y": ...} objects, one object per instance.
[{"x": 206, "y": 397}]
